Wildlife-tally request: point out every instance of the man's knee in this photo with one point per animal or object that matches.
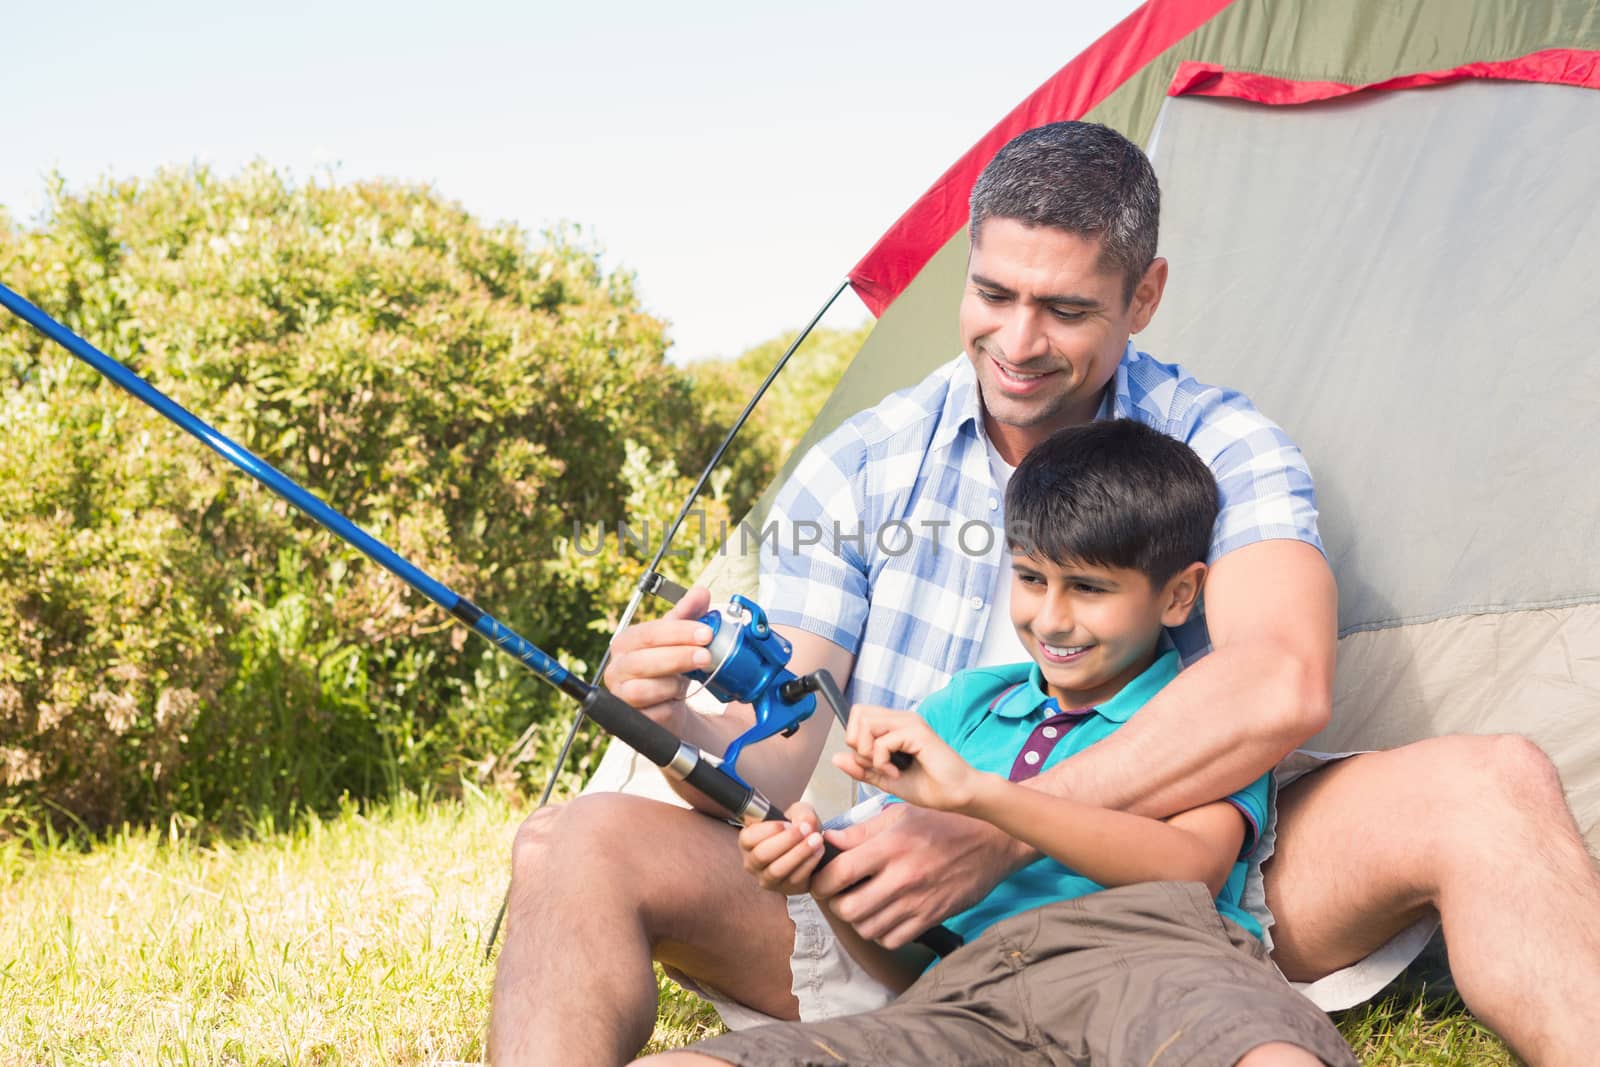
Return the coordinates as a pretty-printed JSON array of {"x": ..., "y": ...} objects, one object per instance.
[
  {"x": 1488, "y": 797},
  {"x": 563, "y": 837},
  {"x": 1496, "y": 775}
]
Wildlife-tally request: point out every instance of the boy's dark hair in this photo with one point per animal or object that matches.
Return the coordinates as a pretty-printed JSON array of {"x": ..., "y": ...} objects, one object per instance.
[
  {"x": 1080, "y": 177},
  {"x": 1113, "y": 494}
]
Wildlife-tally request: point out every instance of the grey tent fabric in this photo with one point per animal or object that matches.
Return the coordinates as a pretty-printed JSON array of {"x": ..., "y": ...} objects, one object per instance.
[{"x": 1407, "y": 282}]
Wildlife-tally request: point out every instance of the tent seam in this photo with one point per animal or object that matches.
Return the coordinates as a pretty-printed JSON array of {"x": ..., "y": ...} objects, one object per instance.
[{"x": 1468, "y": 610}]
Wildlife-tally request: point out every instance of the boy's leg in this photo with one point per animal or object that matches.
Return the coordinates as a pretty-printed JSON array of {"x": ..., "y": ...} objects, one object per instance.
[
  {"x": 1275, "y": 1054},
  {"x": 1477, "y": 827},
  {"x": 1144, "y": 974},
  {"x": 598, "y": 888}
]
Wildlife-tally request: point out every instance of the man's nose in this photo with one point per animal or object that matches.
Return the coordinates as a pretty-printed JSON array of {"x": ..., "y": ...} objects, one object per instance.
[{"x": 1022, "y": 337}]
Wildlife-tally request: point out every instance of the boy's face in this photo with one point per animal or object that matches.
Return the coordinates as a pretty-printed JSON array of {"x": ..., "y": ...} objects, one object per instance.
[{"x": 1093, "y": 629}]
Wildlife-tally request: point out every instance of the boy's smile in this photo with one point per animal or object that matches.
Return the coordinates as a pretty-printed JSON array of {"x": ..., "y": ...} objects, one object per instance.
[{"x": 1093, "y": 629}]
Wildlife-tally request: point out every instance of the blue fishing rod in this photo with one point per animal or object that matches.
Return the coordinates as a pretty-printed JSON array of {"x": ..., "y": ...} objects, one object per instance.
[
  {"x": 750, "y": 658},
  {"x": 624, "y": 722}
]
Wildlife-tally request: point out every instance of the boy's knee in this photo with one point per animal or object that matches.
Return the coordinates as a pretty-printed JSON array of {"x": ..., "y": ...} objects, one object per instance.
[{"x": 1279, "y": 1054}]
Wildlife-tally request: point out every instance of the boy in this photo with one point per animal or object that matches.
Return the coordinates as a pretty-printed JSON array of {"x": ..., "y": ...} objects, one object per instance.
[{"x": 1126, "y": 943}]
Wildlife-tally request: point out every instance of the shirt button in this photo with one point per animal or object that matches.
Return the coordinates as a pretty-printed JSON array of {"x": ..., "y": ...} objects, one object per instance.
[
  {"x": 994, "y": 505},
  {"x": 976, "y": 603},
  {"x": 1030, "y": 758},
  {"x": 1049, "y": 731}
]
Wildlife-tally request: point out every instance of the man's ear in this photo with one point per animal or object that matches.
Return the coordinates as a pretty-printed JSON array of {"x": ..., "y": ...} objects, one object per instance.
[
  {"x": 1147, "y": 295},
  {"x": 1181, "y": 593}
]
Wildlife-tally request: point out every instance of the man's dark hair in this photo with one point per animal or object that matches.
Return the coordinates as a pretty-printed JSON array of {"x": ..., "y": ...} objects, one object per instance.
[
  {"x": 1113, "y": 494},
  {"x": 1083, "y": 178}
]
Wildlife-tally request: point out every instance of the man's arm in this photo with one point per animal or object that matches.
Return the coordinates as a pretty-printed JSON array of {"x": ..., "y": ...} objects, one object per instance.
[{"x": 1265, "y": 688}]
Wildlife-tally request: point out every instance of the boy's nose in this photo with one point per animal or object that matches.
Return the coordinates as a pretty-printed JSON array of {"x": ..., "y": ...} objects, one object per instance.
[{"x": 1054, "y": 619}]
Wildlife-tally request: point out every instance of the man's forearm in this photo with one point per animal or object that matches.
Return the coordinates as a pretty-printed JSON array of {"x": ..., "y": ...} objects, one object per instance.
[
  {"x": 896, "y": 968},
  {"x": 1218, "y": 726}
]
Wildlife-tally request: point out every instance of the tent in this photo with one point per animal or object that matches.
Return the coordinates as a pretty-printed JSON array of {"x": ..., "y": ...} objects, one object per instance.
[{"x": 1381, "y": 224}]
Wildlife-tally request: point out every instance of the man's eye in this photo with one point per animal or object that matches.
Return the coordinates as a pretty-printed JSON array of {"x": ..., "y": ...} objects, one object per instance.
[
  {"x": 1066, "y": 314},
  {"x": 989, "y": 297}
]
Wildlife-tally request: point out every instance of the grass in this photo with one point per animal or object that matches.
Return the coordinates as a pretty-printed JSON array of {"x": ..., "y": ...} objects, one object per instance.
[{"x": 350, "y": 940}]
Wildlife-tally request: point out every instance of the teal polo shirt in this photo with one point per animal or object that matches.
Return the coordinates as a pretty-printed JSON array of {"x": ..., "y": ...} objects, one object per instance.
[{"x": 1002, "y": 720}]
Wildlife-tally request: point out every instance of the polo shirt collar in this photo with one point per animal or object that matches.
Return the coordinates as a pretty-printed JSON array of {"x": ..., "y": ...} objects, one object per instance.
[{"x": 1030, "y": 696}]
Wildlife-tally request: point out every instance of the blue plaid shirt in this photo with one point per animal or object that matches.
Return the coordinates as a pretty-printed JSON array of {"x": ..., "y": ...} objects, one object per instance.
[{"x": 888, "y": 538}]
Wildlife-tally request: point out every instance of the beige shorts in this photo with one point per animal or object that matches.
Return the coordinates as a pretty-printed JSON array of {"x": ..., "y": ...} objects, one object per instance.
[
  {"x": 1146, "y": 973},
  {"x": 827, "y": 983}
]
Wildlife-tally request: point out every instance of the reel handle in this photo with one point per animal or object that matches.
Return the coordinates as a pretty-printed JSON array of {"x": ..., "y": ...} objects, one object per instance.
[{"x": 822, "y": 682}]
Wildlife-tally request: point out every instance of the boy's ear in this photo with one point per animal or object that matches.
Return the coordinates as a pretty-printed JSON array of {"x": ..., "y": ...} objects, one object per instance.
[{"x": 1181, "y": 593}]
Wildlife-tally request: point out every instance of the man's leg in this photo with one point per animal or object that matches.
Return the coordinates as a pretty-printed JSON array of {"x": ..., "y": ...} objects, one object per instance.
[
  {"x": 1476, "y": 827},
  {"x": 598, "y": 888}
]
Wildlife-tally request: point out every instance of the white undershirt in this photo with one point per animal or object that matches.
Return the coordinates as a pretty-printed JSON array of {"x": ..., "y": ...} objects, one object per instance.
[{"x": 1000, "y": 641}]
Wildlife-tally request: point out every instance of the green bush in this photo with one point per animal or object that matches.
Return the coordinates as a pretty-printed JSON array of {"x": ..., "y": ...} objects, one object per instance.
[{"x": 176, "y": 640}]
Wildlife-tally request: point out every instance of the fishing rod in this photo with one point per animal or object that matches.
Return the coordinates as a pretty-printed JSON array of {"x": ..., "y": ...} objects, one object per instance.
[
  {"x": 624, "y": 722},
  {"x": 753, "y": 657},
  {"x": 652, "y": 580}
]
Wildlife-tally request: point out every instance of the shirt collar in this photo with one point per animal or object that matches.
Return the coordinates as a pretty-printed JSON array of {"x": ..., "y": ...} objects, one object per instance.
[
  {"x": 961, "y": 404},
  {"x": 1117, "y": 402},
  {"x": 1030, "y": 696}
]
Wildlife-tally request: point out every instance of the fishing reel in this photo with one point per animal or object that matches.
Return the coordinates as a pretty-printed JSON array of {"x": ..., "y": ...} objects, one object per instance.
[{"x": 749, "y": 664}]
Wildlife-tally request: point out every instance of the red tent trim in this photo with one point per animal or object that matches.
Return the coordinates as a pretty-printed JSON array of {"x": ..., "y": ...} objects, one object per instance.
[
  {"x": 1132, "y": 44},
  {"x": 1556, "y": 66}
]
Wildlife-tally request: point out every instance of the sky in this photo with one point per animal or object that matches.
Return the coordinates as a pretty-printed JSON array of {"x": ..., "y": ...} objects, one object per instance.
[{"x": 739, "y": 158}]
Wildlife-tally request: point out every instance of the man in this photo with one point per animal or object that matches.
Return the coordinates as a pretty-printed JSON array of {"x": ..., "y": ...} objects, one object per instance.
[{"x": 1062, "y": 272}]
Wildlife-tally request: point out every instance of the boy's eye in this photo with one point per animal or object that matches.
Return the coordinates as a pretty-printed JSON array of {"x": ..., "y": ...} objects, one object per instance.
[
  {"x": 1085, "y": 587},
  {"x": 1029, "y": 579}
]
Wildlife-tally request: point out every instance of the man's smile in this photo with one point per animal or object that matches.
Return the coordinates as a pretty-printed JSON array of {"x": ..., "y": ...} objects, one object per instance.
[{"x": 1017, "y": 381}]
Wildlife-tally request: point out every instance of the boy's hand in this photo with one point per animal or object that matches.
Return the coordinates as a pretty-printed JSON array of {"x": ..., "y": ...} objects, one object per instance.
[
  {"x": 936, "y": 777},
  {"x": 782, "y": 855}
]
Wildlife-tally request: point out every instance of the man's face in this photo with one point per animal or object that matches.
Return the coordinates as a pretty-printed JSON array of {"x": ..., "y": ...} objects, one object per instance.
[
  {"x": 1093, "y": 629},
  {"x": 1045, "y": 328}
]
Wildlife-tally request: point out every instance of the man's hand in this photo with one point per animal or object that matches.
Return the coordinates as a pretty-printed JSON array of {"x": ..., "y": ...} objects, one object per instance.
[
  {"x": 915, "y": 867},
  {"x": 648, "y": 661},
  {"x": 782, "y": 855}
]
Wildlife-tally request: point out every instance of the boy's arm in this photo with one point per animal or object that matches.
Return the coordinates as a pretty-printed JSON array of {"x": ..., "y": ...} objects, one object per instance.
[
  {"x": 1105, "y": 846},
  {"x": 1113, "y": 847}
]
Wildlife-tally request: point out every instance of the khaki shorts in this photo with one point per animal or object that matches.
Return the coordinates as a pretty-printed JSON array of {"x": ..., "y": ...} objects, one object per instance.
[{"x": 1142, "y": 974}]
